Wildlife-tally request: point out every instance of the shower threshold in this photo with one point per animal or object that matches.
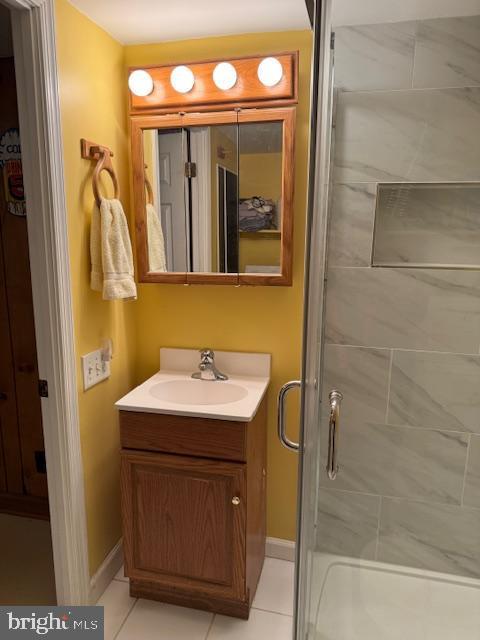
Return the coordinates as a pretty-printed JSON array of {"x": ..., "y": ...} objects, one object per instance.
[{"x": 366, "y": 600}]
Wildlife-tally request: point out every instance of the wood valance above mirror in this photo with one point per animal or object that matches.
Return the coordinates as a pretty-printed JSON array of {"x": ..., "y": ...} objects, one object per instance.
[
  {"x": 247, "y": 92},
  {"x": 213, "y": 192}
]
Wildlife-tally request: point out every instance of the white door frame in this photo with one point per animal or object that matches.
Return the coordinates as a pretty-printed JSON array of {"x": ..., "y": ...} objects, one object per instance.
[
  {"x": 201, "y": 200},
  {"x": 42, "y": 153}
]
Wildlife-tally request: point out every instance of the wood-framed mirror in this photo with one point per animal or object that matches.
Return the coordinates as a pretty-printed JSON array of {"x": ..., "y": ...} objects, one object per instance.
[
  {"x": 213, "y": 196},
  {"x": 216, "y": 190}
]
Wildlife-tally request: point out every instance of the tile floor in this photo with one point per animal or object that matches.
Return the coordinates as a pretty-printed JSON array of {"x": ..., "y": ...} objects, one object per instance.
[{"x": 127, "y": 618}]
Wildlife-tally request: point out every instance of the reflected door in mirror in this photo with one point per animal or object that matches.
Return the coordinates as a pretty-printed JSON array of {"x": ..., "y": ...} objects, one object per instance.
[
  {"x": 227, "y": 206},
  {"x": 167, "y": 229}
]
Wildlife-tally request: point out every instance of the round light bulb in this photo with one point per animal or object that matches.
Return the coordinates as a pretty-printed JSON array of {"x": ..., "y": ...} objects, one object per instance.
[
  {"x": 225, "y": 76},
  {"x": 270, "y": 72},
  {"x": 140, "y": 83},
  {"x": 182, "y": 79}
]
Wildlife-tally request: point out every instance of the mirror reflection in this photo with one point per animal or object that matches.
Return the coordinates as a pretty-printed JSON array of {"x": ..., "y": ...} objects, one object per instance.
[
  {"x": 214, "y": 198},
  {"x": 260, "y": 196},
  {"x": 165, "y": 201}
]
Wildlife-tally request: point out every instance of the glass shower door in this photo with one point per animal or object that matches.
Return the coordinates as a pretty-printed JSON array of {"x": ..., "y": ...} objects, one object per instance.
[{"x": 390, "y": 545}]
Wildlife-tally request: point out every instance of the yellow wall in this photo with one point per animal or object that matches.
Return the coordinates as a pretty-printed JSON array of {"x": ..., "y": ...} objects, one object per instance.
[
  {"x": 265, "y": 319},
  {"x": 92, "y": 77},
  {"x": 260, "y": 248},
  {"x": 92, "y": 95},
  {"x": 261, "y": 175}
]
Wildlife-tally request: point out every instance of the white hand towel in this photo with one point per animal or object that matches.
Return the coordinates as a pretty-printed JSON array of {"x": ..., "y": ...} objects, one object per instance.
[
  {"x": 111, "y": 252},
  {"x": 155, "y": 241}
]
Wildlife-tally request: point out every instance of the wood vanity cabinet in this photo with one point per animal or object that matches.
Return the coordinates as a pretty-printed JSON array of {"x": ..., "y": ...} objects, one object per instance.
[{"x": 193, "y": 509}]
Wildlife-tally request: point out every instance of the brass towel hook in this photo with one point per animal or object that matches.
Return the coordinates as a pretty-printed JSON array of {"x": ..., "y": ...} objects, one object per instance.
[{"x": 103, "y": 155}]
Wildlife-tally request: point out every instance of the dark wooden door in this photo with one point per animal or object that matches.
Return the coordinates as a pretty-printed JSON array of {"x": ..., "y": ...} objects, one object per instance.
[
  {"x": 20, "y": 409},
  {"x": 10, "y": 439},
  {"x": 181, "y": 527},
  {"x": 228, "y": 220}
]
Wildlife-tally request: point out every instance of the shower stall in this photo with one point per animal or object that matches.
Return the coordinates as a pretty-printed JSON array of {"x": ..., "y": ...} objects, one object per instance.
[{"x": 390, "y": 450}]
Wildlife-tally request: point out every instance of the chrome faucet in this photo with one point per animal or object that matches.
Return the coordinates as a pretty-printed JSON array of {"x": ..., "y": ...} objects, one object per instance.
[{"x": 207, "y": 368}]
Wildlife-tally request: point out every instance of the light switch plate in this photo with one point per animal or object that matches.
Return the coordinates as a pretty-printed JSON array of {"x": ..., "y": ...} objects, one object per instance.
[{"x": 94, "y": 368}]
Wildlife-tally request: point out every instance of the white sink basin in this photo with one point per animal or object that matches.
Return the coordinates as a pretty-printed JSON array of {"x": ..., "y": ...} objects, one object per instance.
[
  {"x": 173, "y": 390},
  {"x": 198, "y": 392}
]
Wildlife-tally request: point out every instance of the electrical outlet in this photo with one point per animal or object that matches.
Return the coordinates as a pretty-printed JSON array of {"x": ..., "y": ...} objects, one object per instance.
[{"x": 95, "y": 369}]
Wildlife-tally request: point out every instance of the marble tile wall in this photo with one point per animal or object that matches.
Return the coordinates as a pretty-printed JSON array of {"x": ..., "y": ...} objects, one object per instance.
[
  {"x": 403, "y": 344},
  {"x": 375, "y": 56},
  {"x": 447, "y": 53},
  {"x": 408, "y": 135},
  {"x": 443, "y": 52},
  {"x": 427, "y": 309}
]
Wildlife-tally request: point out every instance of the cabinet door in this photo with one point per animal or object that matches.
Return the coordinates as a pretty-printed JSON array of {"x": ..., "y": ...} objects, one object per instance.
[{"x": 182, "y": 527}]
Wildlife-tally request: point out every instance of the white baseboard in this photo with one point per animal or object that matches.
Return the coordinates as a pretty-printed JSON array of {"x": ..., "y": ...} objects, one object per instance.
[
  {"x": 106, "y": 572},
  {"x": 280, "y": 549},
  {"x": 274, "y": 548}
]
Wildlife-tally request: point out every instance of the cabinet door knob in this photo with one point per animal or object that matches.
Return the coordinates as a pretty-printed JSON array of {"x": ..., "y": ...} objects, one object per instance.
[{"x": 236, "y": 500}]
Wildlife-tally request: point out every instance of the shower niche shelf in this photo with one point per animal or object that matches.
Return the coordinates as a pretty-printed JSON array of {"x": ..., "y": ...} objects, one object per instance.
[{"x": 427, "y": 225}]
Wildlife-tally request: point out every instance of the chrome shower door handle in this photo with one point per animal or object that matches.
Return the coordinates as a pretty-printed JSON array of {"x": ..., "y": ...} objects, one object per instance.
[
  {"x": 335, "y": 398},
  {"x": 284, "y": 439}
]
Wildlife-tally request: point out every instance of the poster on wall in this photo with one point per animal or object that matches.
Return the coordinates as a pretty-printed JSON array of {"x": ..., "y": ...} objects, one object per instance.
[{"x": 11, "y": 167}]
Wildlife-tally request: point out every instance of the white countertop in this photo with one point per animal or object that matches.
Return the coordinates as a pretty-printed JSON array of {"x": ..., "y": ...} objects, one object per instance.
[{"x": 153, "y": 395}]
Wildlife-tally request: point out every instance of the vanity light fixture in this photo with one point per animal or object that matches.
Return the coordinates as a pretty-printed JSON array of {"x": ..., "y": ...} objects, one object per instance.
[
  {"x": 140, "y": 83},
  {"x": 270, "y": 72},
  {"x": 225, "y": 76},
  {"x": 182, "y": 79}
]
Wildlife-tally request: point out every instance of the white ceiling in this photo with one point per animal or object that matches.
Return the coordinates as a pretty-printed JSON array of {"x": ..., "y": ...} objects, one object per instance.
[
  {"x": 144, "y": 21},
  {"x": 376, "y": 11}
]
